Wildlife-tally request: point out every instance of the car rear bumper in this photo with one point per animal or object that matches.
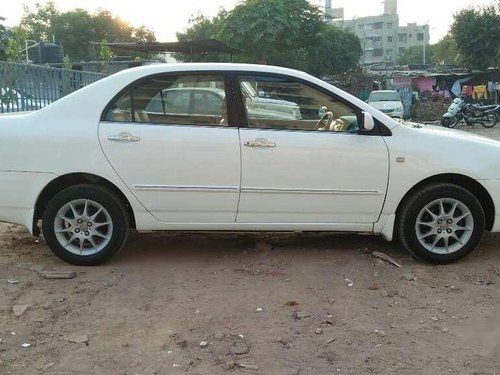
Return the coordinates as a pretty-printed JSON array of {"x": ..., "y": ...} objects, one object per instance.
[{"x": 18, "y": 194}]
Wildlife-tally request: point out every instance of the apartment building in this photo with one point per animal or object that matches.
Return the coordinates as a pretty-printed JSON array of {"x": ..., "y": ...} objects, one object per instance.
[{"x": 382, "y": 38}]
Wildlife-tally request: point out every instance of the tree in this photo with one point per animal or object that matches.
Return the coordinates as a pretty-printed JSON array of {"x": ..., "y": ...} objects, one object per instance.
[
  {"x": 476, "y": 32},
  {"x": 415, "y": 55},
  {"x": 289, "y": 33},
  {"x": 203, "y": 28},
  {"x": 445, "y": 52},
  {"x": 75, "y": 28}
]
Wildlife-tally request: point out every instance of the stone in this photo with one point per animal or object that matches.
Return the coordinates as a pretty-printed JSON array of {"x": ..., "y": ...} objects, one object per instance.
[
  {"x": 248, "y": 367},
  {"x": 46, "y": 366},
  {"x": 374, "y": 286},
  {"x": 79, "y": 339},
  {"x": 259, "y": 309},
  {"x": 19, "y": 310},
  {"x": 26, "y": 345},
  {"x": 58, "y": 275},
  {"x": 409, "y": 276},
  {"x": 380, "y": 333},
  {"x": 298, "y": 315},
  {"x": 182, "y": 343},
  {"x": 229, "y": 365},
  {"x": 291, "y": 303},
  {"x": 318, "y": 331},
  {"x": 203, "y": 344},
  {"x": 239, "y": 348},
  {"x": 444, "y": 330},
  {"x": 219, "y": 336},
  {"x": 12, "y": 281},
  {"x": 435, "y": 318}
]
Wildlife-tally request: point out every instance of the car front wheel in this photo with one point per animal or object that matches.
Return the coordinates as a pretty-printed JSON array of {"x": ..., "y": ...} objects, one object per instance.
[
  {"x": 85, "y": 225},
  {"x": 441, "y": 223}
]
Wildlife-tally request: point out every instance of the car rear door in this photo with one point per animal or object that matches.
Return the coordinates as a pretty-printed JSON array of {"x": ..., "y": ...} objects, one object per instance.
[{"x": 183, "y": 165}]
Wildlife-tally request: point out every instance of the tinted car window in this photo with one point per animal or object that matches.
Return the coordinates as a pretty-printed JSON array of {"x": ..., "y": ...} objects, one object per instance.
[
  {"x": 283, "y": 103},
  {"x": 179, "y": 100}
]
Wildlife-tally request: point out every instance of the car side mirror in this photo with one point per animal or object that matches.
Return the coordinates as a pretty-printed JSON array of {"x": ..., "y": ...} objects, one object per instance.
[{"x": 367, "y": 122}]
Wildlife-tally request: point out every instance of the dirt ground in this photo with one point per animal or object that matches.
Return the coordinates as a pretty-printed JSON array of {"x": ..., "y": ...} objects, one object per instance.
[{"x": 301, "y": 304}]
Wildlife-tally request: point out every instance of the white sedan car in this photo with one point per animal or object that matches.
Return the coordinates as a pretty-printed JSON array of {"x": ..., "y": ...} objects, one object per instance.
[
  {"x": 96, "y": 164},
  {"x": 388, "y": 102}
]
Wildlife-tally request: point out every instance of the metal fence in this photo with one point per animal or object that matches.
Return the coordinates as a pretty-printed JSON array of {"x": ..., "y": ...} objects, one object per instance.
[{"x": 25, "y": 87}]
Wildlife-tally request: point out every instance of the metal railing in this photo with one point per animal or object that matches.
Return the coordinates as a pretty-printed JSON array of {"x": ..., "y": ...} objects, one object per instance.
[{"x": 25, "y": 87}]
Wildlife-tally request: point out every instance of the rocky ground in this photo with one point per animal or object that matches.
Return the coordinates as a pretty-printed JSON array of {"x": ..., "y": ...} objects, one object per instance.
[{"x": 301, "y": 304}]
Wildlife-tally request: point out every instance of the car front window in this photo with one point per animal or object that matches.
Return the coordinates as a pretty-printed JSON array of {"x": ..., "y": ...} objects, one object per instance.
[{"x": 284, "y": 103}]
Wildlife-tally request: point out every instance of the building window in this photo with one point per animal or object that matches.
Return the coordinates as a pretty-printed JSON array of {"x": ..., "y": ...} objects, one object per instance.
[
  {"x": 420, "y": 37},
  {"x": 403, "y": 37},
  {"x": 390, "y": 39},
  {"x": 377, "y": 38},
  {"x": 389, "y": 25},
  {"x": 401, "y": 50},
  {"x": 378, "y": 52},
  {"x": 378, "y": 25},
  {"x": 361, "y": 27}
]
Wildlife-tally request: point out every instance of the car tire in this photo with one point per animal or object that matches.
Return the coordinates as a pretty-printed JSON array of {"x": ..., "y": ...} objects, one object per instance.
[
  {"x": 441, "y": 223},
  {"x": 85, "y": 225}
]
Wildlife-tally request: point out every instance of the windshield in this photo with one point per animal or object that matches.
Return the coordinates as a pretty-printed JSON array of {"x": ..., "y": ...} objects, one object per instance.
[{"x": 385, "y": 97}]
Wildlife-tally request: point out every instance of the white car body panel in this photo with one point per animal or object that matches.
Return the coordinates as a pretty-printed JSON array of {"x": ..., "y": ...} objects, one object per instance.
[
  {"x": 187, "y": 174},
  {"x": 63, "y": 138},
  {"x": 322, "y": 178}
]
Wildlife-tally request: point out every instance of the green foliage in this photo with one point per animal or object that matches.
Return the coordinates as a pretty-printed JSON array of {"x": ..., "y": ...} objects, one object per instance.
[
  {"x": 445, "y": 51},
  {"x": 11, "y": 44},
  {"x": 203, "y": 28},
  {"x": 75, "y": 28},
  {"x": 106, "y": 55},
  {"x": 415, "y": 55},
  {"x": 476, "y": 32},
  {"x": 289, "y": 33}
]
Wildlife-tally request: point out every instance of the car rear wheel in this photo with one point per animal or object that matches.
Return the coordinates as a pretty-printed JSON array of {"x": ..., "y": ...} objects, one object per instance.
[
  {"x": 85, "y": 225},
  {"x": 441, "y": 223}
]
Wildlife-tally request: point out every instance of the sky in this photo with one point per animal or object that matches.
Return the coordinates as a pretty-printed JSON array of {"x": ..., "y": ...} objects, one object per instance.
[{"x": 166, "y": 17}]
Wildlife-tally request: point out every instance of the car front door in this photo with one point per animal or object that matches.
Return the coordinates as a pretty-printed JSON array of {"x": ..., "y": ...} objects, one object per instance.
[
  {"x": 178, "y": 157},
  {"x": 306, "y": 170}
]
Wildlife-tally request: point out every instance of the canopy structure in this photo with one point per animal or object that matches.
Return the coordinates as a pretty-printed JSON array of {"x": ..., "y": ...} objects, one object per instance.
[{"x": 189, "y": 48}]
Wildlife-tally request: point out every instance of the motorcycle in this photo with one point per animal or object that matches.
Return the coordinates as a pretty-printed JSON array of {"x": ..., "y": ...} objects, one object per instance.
[
  {"x": 456, "y": 113},
  {"x": 486, "y": 115}
]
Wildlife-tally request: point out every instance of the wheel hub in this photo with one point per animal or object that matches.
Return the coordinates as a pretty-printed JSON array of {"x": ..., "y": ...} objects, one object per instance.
[
  {"x": 83, "y": 227},
  {"x": 444, "y": 226}
]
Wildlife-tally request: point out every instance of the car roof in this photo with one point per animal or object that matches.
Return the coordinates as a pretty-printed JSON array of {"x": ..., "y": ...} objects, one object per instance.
[{"x": 208, "y": 67}]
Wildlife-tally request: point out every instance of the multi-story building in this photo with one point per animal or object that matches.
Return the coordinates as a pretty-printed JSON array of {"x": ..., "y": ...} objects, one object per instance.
[{"x": 383, "y": 40}]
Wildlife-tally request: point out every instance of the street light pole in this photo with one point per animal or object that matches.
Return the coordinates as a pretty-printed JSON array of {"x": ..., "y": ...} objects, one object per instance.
[{"x": 423, "y": 38}]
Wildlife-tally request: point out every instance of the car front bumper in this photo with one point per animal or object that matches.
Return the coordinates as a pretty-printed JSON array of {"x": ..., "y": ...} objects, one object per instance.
[{"x": 493, "y": 187}]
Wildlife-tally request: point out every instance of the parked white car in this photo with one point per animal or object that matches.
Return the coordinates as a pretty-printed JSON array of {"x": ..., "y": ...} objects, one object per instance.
[
  {"x": 96, "y": 164},
  {"x": 388, "y": 102}
]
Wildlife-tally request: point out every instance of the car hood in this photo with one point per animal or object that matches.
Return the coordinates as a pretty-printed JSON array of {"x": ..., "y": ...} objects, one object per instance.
[
  {"x": 436, "y": 150},
  {"x": 452, "y": 134},
  {"x": 386, "y": 105}
]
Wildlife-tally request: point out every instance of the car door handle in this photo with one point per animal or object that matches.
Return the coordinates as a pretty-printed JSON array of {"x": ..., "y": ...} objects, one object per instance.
[
  {"x": 259, "y": 142},
  {"x": 124, "y": 137}
]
